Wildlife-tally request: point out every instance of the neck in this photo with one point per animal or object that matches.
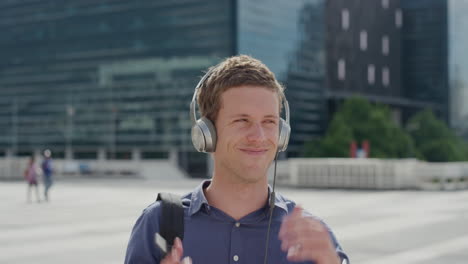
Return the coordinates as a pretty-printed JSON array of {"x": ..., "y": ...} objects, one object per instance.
[{"x": 237, "y": 199}]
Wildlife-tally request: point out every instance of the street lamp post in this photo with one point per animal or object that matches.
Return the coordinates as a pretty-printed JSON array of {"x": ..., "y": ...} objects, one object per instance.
[
  {"x": 114, "y": 131},
  {"x": 69, "y": 133},
  {"x": 14, "y": 129}
]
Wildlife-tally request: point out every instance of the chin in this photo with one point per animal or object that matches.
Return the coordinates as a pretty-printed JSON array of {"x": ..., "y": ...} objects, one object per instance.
[
  {"x": 252, "y": 177},
  {"x": 256, "y": 170}
]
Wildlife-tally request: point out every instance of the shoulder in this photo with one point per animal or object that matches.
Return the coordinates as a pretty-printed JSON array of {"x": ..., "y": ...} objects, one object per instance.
[
  {"x": 283, "y": 199},
  {"x": 149, "y": 218},
  {"x": 284, "y": 202},
  {"x": 141, "y": 247},
  {"x": 153, "y": 211},
  {"x": 290, "y": 205}
]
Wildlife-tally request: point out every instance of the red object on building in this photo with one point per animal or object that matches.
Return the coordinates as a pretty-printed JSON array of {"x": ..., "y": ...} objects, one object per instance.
[
  {"x": 352, "y": 149},
  {"x": 366, "y": 147}
]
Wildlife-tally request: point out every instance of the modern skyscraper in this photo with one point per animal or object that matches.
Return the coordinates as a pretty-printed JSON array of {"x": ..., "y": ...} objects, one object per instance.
[
  {"x": 424, "y": 56},
  {"x": 458, "y": 64},
  {"x": 395, "y": 52},
  {"x": 114, "y": 79},
  {"x": 289, "y": 37},
  {"x": 363, "y": 46}
]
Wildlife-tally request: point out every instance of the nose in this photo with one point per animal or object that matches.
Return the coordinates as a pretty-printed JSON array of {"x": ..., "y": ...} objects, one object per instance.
[{"x": 256, "y": 133}]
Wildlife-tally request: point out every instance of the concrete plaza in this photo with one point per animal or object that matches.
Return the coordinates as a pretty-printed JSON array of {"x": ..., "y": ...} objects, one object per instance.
[{"x": 89, "y": 221}]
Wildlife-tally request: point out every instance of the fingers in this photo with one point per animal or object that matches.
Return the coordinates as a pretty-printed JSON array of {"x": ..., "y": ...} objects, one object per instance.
[
  {"x": 289, "y": 221},
  {"x": 176, "y": 254},
  {"x": 186, "y": 260},
  {"x": 305, "y": 238},
  {"x": 309, "y": 249},
  {"x": 296, "y": 224},
  {"x": 304, "y": 233},
  {"x": 297, "y": 212},
  {"x": 177, "y": 249}
]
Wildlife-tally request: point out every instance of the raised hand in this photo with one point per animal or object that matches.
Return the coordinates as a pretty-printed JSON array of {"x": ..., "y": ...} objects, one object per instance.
[{"x": 306, "y": 239}]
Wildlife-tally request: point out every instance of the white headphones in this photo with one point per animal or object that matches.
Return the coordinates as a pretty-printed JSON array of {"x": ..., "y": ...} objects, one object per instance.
[{"x": 204, "y": 132}]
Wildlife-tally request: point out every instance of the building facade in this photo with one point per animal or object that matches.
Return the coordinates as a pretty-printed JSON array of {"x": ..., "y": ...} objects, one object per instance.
[
  {"x": 363, "y": 46},
  {"x": 425, "y": 56},
  {"x": 114, "y": 79},
  {"x": 435, "y": 60},
  {"x": 289, "y": 37},
  {"x": 397, "y": 53},
  {"x": 458, "y": 65}
]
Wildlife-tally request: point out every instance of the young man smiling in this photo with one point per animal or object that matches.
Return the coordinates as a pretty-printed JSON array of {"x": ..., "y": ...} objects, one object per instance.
[{"x": 227, "y": 218}]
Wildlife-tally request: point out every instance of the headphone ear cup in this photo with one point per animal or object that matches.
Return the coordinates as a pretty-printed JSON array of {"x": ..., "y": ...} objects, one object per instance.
[
  {"x": 210, "y": 135},
  {"x": 284, "y": 133},
  {"x": 198, "y": 139},
  {"x": 204, "y": 135}
]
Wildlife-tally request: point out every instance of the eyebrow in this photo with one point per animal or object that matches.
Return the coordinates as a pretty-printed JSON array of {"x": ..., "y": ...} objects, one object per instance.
[{"x": 246, "y": 115}]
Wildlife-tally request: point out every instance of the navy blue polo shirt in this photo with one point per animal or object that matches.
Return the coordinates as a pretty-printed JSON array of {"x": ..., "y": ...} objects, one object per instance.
[{"x": 211, "y": 236}]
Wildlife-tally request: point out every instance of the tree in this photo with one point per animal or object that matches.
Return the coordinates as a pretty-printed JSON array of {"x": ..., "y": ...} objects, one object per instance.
[
  {"x": 434, "y": 140},
  {"x": 336, "y": 142},
  {"x": 360, "y": 120}
]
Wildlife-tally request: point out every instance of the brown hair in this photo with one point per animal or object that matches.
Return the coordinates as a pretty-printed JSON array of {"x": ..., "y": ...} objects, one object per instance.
[{"x": 233, "y": 72}]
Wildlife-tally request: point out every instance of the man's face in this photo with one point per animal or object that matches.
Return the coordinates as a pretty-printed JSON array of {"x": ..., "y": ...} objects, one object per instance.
[{"x": 247, "y": 129}]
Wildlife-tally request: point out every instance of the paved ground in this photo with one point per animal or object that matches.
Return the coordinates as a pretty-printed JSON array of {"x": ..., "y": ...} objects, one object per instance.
[{"x": 89, "y": 221}]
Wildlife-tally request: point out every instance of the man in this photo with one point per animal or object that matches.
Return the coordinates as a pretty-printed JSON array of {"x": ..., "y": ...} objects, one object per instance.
[
  {"x": 227, "y": 218},
  {"x": 47, "y": 170}
]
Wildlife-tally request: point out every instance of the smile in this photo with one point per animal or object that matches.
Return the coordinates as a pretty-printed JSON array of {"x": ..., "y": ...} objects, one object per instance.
[{"x": 254, "y": 152}]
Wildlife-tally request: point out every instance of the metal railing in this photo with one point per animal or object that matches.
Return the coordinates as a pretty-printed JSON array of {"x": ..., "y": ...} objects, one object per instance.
[{"x": 373, "y": 174}]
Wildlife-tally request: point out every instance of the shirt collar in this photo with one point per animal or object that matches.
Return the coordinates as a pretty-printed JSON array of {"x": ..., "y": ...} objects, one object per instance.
[{"x": 198, "y": 199}]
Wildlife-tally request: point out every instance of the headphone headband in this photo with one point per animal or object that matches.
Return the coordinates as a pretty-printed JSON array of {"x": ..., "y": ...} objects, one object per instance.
[{"x": 193, "y": 113}]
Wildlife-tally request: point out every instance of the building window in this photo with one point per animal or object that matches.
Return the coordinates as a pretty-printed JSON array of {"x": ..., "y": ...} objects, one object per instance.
[
  {"x": 363, "y": 40},
  {"x": 385, "y": 4},
  {"x": 385, "y": 45},
  {"x": 371, "y": 73},
  {"x": 137, "y": 23},
  {"x": 385, "y": 76},
  {"x": 345, "y": 19},
  {"x": 104, "y": 27},
  {"x": 398, "y": 18},
  {"x": 341, "y": 69}
]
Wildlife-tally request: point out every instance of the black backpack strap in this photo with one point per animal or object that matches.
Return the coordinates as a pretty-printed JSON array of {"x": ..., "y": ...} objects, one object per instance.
[{"x": 172, "y": 217}]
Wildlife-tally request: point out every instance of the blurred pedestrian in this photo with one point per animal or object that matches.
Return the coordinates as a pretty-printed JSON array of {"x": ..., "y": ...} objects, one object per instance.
[
  {"x": 31, "y": 175},
  {"x": 48, "y": 171}
]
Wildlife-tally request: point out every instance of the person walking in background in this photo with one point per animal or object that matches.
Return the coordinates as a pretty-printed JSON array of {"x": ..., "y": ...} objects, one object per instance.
[
  {"x": 47, "y": 170},
  {"x": 31, "y": 174}
]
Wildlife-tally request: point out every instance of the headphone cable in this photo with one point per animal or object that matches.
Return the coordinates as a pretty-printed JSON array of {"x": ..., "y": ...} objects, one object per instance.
[{"x": 272, "y": 206}]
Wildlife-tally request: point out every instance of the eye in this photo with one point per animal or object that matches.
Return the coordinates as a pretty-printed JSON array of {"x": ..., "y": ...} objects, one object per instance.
[
  {"x": 240, "y": 120},
  {"x": 270, "y": 121}
]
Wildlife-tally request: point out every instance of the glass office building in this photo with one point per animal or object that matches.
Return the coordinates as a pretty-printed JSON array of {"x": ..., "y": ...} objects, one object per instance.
[
  {"x": 289, "y": 37},
  {"x": 458, "y": 64},
  {"x": 424, "y": 56},
  {"x": 364, "y": 52},
  {"x": 114, "y": 78},
  {"x": 110, "y": 75},
  {"x": 435, "y": 59},
  {"x": 364, "y": 48}
]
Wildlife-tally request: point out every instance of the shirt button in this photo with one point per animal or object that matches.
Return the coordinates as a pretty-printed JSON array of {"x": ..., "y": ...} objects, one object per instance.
[
  {"x": 235, "y": 258},
  {"x": 237, "y": 224}
]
